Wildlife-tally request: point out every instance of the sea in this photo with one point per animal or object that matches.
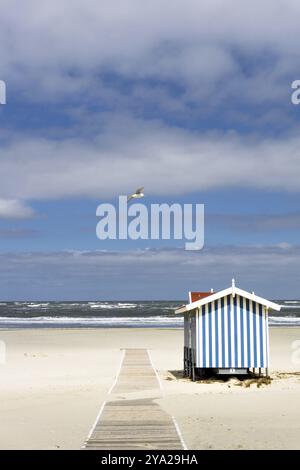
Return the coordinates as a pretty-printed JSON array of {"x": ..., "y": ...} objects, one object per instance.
[{"x": 105, "y": 314}]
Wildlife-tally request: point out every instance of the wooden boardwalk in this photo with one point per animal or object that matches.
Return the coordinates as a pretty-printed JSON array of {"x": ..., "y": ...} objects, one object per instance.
[{"x": 134, "y": 423}]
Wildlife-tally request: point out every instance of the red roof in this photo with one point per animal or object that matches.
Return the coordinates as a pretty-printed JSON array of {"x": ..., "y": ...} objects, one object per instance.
[{"x": 194, "y": 296}]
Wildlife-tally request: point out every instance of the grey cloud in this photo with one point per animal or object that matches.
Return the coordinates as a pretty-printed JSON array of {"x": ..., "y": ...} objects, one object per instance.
[
  {"x": 149, "y": 274},
  {"x": 18, "y": 233},
  {"x": 56, "y": 45},
  {"x": 256, "y": 222}
]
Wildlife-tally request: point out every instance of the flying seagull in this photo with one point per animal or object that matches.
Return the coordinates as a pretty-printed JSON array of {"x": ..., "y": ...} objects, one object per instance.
[{"x": 137, "y": 195}]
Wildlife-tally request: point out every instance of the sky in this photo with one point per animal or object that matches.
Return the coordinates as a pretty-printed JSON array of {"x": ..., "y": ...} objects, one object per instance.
[{"x": 191, "y": 100}]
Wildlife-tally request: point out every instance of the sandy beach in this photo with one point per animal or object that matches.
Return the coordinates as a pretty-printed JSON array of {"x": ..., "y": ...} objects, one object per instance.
[{"x": 53, "y": 383}]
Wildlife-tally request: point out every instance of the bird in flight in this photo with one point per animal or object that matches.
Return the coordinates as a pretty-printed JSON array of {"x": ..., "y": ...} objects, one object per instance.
[{"x": 137, "y": 195}]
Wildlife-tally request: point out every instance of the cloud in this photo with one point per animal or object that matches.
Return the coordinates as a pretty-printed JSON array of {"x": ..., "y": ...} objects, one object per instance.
[
  {"x": 128, "y": 152},
  {"x": 256, "y": 222},
  {"x": 18, "y": 233},
  {"x": 215, "y": 49},
  {"x": 271, "y": 271},
  {"x": 15, "y": 209},
  {"x": 137, "y": 63}
]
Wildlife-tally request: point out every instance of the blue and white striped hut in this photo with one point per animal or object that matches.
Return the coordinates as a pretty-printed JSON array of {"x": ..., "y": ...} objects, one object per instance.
[{"x": 226, "y": 333}]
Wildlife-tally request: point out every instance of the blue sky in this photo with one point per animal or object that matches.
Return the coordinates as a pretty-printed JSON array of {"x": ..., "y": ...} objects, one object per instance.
[{"x": 196, "y": 106}]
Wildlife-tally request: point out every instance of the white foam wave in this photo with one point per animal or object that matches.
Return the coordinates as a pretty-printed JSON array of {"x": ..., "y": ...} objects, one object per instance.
[
  {"x": 110, "y": 306},
  {"x": 296, "y": 307},
  {"x": 38, "y": 305},
  {"x": 284, "y": 320},
  {"x": 43, "y": 320}
]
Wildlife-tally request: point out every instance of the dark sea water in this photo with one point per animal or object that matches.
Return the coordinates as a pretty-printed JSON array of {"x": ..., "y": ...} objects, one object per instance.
[{"x": 103, "y": 314}]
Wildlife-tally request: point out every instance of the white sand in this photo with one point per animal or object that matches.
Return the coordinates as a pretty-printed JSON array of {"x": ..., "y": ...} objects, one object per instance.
[{"x": 54, "y": 382}]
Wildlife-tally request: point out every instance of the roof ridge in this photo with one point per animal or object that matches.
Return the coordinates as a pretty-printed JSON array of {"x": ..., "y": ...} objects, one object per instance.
[{"x": 232, "y": 290}]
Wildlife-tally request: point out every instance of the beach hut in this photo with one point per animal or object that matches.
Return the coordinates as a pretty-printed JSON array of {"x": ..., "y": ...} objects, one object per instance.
[{"x": 226, "y": 333}]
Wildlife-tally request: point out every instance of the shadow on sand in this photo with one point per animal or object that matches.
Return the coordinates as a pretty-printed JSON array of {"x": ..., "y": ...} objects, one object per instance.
[{"x": 231, "y": 380}]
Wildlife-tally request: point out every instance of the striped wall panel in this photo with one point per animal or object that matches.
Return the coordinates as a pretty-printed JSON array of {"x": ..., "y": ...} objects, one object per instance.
[
  {"x": 194, "y": 332},
  {"x": 232, "y": 332},
  {"x": 186, "y": 330}
]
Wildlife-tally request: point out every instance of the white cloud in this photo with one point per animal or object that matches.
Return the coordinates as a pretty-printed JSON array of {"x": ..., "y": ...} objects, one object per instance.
[
  {"x": 217, "y": 50},
  {"x": 14, "y": 209},
  {"x": 128, "y": 153}
]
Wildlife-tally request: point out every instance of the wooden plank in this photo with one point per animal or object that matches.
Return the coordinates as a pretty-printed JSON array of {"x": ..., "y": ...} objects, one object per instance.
[{"x": 134, "y": 424}]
